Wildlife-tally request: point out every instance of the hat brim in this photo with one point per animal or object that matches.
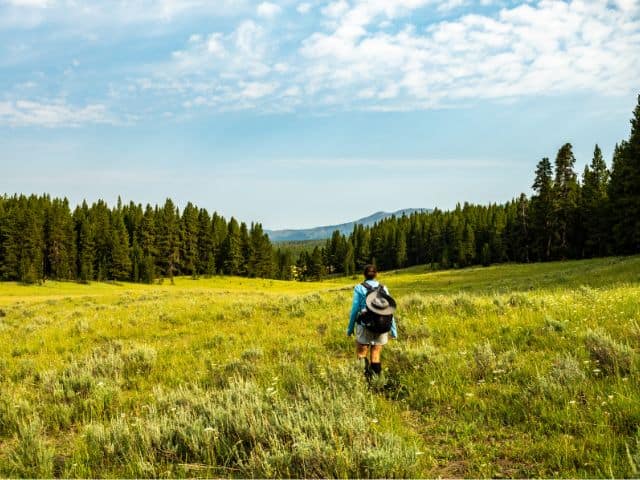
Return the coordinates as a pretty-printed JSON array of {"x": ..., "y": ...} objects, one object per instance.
[{"x": 380, "y": 311}]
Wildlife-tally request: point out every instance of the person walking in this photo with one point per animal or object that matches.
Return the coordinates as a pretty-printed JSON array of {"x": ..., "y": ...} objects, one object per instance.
[{"x": 367, "y": 341}]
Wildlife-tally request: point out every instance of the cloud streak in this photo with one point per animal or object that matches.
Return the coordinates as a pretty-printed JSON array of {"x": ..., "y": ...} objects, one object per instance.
[
  {"x": 30, "y": 13},
  {"x": 357, "y": 55},
  {"x": 23, "y": 113},
  {"x": 372, "y": 55}
]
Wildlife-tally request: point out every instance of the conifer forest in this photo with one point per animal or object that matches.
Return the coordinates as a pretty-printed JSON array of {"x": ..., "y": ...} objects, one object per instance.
[{"x": 570, "y": 215}]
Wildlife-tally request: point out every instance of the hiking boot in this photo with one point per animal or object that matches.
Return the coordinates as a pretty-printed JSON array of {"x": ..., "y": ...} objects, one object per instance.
[{"x": 367, "y": 368}]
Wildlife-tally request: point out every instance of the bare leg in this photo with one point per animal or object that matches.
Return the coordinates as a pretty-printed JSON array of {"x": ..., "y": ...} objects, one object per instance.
[
  {"x": 376, "y": 352},
  {"x": 362, "y": 353}
]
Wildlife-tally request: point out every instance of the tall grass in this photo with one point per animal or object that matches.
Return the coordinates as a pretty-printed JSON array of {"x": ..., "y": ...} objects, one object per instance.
[{"x": 511, "y": 371}]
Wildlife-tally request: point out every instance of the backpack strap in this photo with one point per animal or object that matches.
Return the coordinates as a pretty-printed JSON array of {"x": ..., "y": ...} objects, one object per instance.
[{"x": 367, "y": 287}]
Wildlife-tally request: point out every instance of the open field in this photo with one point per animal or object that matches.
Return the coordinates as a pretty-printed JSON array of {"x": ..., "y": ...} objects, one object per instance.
[{"x": 512, "y": 371}]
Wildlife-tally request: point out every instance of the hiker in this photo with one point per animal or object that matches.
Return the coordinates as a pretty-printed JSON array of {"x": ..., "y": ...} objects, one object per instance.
[{"x": 366, "y": 299}]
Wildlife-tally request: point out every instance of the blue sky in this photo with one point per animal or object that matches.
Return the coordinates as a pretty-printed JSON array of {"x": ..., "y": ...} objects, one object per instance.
[{"x": 307, "y": 112}]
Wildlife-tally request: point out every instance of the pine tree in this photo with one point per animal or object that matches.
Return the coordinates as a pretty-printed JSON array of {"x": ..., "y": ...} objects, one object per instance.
[
  {"x": 284, "y": 264},
  {"x": 233, "y": 259},
  {"x": 205, "y": 244},
  {"x": 31, "y": 246},
  {"x": 59, "y": 241},
  {"x": 247, "y": 252},
  {"x": 168, "y": 239},
  {"x": 467, "y": 254},
  {"x": 566, "y": 194},
  {"x": 133, "y": 216},
  {"x": 100, "y": 219},
  {"x": 349, "y": 266},
  {"x": 85, "y": 247},
  {"x": 435, "y": 240},
  {"x": 624, "y": 190},
  {"x": 594, "y": 205},
  {"x": 401, "y": 249},
  {"x": 360, "y": 238},
  {"x": 302, "y": 266},
  {"x": 520, "y": 238},
  {"x": 120, "y": 260},
  {"x": 147, "y": 243},
  {"x": 316, "y": 266},
  {"x": 189, "y": 240},
  {"x": 261, "y": 260},
  {"x": 9, "y": 239},
  {"x": 485, "y": 255},
  {"x": 542, "y": 208},
  {"x": 219, "y": 229}
]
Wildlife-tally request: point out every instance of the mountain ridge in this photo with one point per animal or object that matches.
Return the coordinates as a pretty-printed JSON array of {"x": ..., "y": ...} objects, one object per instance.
[{"x": 324, "y": 232}]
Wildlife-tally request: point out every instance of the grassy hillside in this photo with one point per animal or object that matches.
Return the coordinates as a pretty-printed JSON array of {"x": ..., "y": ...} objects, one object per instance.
[{"x": 518, "y": 371}]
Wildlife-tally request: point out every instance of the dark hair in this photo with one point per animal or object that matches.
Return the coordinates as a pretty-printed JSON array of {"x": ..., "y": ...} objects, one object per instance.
[{"x": 370, "y": 272}]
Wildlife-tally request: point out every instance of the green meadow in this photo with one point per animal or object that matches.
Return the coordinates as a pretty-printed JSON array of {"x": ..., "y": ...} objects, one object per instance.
[{"x": 506, "y": 371}]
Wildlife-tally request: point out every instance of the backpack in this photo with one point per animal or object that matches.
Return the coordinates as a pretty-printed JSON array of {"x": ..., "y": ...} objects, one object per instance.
[{"x": 375, "y": 322}]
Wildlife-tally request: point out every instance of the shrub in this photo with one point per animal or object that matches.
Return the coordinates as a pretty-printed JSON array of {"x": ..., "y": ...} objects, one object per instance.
[
  {"x": 30, "y": 457},
  {"x": 484, "y": 358},
  {"x": 499, "y": 305},
  {"x": 24, "y": 369},
  {"x": 406, "y": 359},
  {"x": 4, "y": 370},
  {"x": 252, "y": 354},
  {"x": 139, "y": 360},
  {"x": 464, "y": 304},
  {"x": 296, "y": 309},
  {"x": 567, "y": 370},
  {"x": 612, "y": 357},
  {"x": 633, "y": 455},
  {"x": 520, "y": 300},
  {"x": 323, "y": 429},
  {"x": 413, "y": 302},
  {"x": 9, "y": 414},
  {"x": 555, "y": 325},
  {"x": 635, "y": 332},
  {"x": 313, "y": 299}
]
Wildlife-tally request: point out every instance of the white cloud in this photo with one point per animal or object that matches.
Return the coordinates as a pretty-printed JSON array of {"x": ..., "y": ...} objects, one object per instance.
[
  {"x": 336, "y": 9},
  {"x": 215, "y": 45},
  {"x": 254, "y": 90},
  {"x": 28, "y": 3},
  {"x": 268, "y": 10},
  {"x": 447, "y": 5},
  {"x": 24, "y": 113},
  {"x": 249, "y": 38},
  {"x": 376, "y": 55},
  {"x": 533, "y": 49},
  {"x": 304, "y": 8},
  {"x": 80, "y": 15}
]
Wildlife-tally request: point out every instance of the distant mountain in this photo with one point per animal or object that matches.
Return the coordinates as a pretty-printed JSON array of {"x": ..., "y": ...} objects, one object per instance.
[{"x": 320, "y": 233}]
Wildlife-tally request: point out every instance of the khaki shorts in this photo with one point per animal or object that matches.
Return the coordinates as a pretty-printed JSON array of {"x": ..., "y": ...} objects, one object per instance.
[{"x": 366, "y": 337}]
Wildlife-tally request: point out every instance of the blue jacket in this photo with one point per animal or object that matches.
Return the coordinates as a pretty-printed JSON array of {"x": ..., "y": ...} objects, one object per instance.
[{"x": 359, "y": 304}]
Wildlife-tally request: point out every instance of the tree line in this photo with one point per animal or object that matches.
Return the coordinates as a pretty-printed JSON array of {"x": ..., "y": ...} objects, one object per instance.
[
  {"x": 41, "y": 238},
  {"x": 567, "y": 217}
]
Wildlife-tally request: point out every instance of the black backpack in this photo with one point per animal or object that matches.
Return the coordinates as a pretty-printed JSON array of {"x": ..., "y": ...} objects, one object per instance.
[{"x": 372, "y": 321}]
